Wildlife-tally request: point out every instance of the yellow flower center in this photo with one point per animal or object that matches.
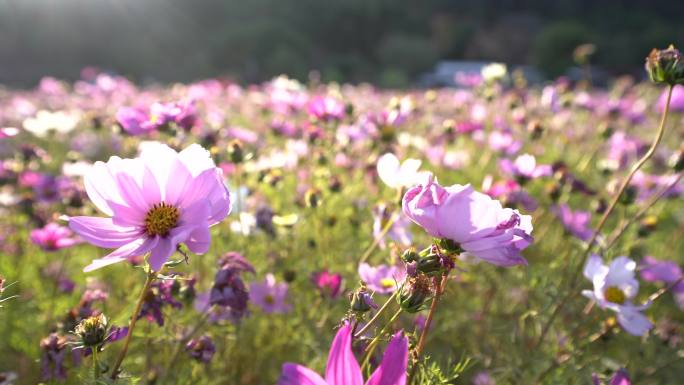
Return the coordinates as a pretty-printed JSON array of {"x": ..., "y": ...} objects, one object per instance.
[
  {"x": 161, "y": 219},
  {"x": 615, "y": 295},
  {"x": 269, "y": 299},
  {"x": 387, "y": 282}
]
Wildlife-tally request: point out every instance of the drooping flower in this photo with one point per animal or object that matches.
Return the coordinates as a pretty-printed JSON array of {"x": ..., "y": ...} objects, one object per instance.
[
  {"x": 343, "y": 369},
  {"x": 383, "y": 279},
  {"x": 328, "y": 284},
  {"x": 53, "y": 352},
  {"x": 154, "y": 203},
  {"x": 396, "y": 175},
  {"x": 576, "y": 223},
  {"x": 270, "y": 295},
  {"x": 478, "y": 224},
  {"x": 615, "y": 286},
  {"x": 53, "y": 237},
  {"x": 201, "y": 349}
]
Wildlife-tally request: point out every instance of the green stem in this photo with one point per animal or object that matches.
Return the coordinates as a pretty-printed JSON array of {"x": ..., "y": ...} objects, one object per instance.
[
  {"x": 377, "y": 315},
  {"x": 604, "y": 218},
  {"x": 96, "y": 369},
  {"x": 423, "y": 335},
  {"x": 376, "y": 340},
  {"x": 131, "y": 325}
]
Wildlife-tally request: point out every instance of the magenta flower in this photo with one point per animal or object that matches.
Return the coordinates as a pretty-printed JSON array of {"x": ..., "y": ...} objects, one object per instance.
[
  {"x": 382, "y": 279},
  {"x": 135, "y": 121},
  {"x": 154, "y": 203},
  {"x": 53, "y": 237},
  {"x": 270, "y": 295},
  {"x": 677, "y": 101},
  {"x": 475, "y": 221},
  {"x": 575, "y": 222},
  {"x": 328, "y": 284},
  {"x": 343, "y": 369}
]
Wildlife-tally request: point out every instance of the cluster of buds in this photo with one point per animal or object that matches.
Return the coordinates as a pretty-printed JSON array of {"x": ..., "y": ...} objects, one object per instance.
[
  {"x": 159, "y": 294},
  {"x": 435, "y": 260},
  {"x": 665, "y": 66}
]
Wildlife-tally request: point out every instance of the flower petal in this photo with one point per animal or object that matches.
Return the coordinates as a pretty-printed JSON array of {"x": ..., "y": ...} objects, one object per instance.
[
  {"x": 392, "y": 369},
  {"x": 294, "y": 374},
  {"x": 342, "y": 367},
  {"x": 103, "y": 232},
  {"x": 138, "y": 247}
]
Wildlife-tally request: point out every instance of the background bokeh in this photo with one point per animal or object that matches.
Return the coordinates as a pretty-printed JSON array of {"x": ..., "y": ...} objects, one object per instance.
[{"x": 387, "y": 42}]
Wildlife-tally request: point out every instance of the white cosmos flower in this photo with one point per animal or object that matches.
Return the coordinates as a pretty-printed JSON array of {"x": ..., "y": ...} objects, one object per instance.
[
  {"x": 615, "y": 286},
  {"x": 396, "y": 175},
  {"x": 62, "y": 122}
]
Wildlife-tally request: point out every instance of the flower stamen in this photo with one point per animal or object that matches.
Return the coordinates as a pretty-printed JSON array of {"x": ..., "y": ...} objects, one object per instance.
[{"x": 160, "y": 219}]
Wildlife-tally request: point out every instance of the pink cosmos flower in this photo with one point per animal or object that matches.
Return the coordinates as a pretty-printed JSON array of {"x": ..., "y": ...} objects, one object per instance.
[
  {"x": 8, "y": 132},
  {"x": 343, "y": 369},
  {"x": 53, "y": 237},
  {"x": 270, "y": 295},
  {"x": 669, "y": 272},
  {"x": 475, "y": 221},
  {"x": 614, "y": 288},
  {"x": 153, "y": 203},
  {"x": 326, "y": 108},
  {"x": 576, "y": 223},
  {"x": 677, "y": 101},
  {"x": 382, "y": 279}
]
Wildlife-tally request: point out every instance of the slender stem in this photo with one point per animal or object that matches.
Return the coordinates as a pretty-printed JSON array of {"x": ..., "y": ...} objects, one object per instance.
[
  {"x": 181, "y": 344},
  {"x": 374, "y": 343},
  {"x": 131, "y": 325},
  {"x": 621, "y": 230},
  {"x": 423, "y": 335},
  {"x": 604, "y": 218},
  {"x": 96, "y": 369},
  {"x": 366, "y": 254},
  {"x": 377, "y": 315}
]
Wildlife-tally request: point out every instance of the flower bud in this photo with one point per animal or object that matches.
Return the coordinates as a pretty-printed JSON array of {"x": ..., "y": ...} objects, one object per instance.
[
  {"x": 535, "y": 129},
  {"x": 629, "y": 196},
  {"x": 449, "y": 246},
  {"x": 410, "y": 255},
  {"x": 414, "y": 293},
  {"x": 677, "y": 160},
  {"x": 312, "y": 198},
  {"x": 201, "y": 349},
  {"x": 665, "y": 66},
  {"x": 236, "y": 151},
  {"x": 92, "y": 331},
  {"x": 647, "y": 225},
  {"x": 361, "y": 300}
]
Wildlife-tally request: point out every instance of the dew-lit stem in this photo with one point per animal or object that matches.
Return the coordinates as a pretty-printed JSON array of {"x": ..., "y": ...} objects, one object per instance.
[
  {"x": 131, "y": 325},
  {"x": 96, "y": 369},
  {"x": 573, "y": 278}
]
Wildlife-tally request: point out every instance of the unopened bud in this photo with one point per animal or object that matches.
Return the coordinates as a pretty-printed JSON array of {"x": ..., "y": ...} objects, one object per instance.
[
  {"x": 665, "y": 66},
  {"x": 361, "y": 300},
  {"x": 312, "y": 198},
  {"x": 236, "y": 151},
  {"x": 647, "y": 225},
  {"x": 414, "y": 293},
  {"x": 677, "y": 160}
]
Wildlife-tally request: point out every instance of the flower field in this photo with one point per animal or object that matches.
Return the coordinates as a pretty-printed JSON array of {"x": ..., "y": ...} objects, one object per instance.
[{"x": 308, "y": 234}]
